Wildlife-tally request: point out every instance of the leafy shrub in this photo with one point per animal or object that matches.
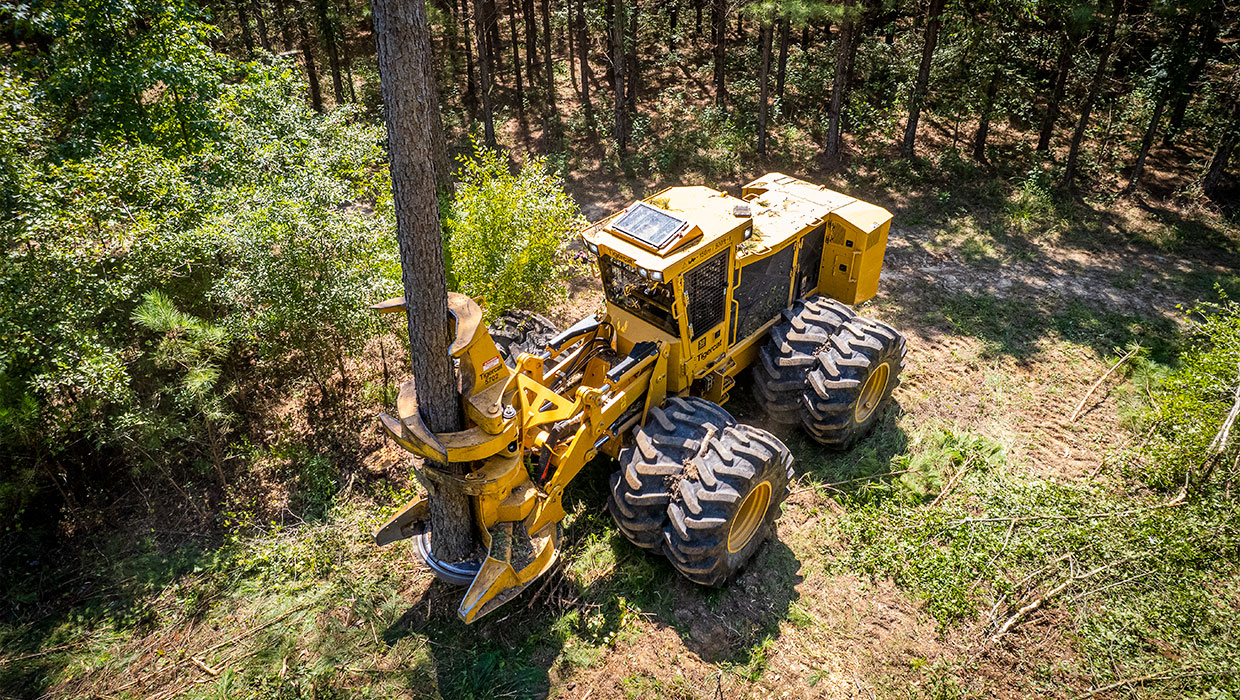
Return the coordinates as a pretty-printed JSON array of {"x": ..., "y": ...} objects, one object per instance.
[
  {"x": 1188, "y": 410},
  {"x": 505, "y": 232},
  {"x": 145, "y": 292}
]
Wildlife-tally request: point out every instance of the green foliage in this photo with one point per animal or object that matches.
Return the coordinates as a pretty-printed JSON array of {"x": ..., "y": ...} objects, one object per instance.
[
  {"x": 505, "y": 231},
  {"x": 1188, "y": 410},
  {"x": 139, "y": 272}
]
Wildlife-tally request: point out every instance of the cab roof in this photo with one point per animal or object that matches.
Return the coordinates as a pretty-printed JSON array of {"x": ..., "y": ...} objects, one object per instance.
[{"x": 663, "y": 229}]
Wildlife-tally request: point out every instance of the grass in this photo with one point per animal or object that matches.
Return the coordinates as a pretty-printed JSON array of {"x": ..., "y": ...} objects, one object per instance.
[{"x": 1151, "y": 588}]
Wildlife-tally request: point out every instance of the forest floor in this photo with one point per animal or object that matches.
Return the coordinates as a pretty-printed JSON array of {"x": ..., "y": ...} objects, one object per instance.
[{"x": 1013, "y": 303}]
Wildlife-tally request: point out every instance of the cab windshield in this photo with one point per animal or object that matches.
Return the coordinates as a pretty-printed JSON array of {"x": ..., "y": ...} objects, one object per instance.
[{"x": 627, "y": 288}]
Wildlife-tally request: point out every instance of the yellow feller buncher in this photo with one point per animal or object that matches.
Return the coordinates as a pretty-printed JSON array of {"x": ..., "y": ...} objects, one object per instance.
[{"x": 700, "y": 285}]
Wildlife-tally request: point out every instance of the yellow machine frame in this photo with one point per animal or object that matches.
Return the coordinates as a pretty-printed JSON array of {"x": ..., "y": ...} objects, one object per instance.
[{"x": 533, "y": 427}]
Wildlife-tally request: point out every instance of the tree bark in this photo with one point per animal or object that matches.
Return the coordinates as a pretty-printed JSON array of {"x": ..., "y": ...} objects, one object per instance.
[
  {"x": 307, "y": 53},
  {"x": 327, "y": 32},
  {"x": 531, "y": 42},
  {"x": 516, "y": 57},
  {"x": 263, "y": 37},
  {"x": 407, "y": 78},
  {"x": 781, "y": 70},
  {"x": 471, "y": 82},
  {"x": 243, "y": 19},
  {"x": 548, "y": 59},
  {"x": 765, "y": 31},
  {"x": 583, "y": 47},
  {"x": 1207, "y": 45},
  {"x": 839, "y": 83},
  {"x": 934, "y": 19},
  {"x": 484, "y": 73},
  {"x": 1222, "y": 154},
  {"x": 1095, "y": 87},
  {"x": 619, "y": 128},
  {"x": 983, "y": 124},
  {"x": 719, "y": 31},
  {"x": 1062, "y": 67},
  {"x": 286, "y": 36},
  {"x": 570, "y": 26},
  {"x": 673, "y": 19},
  {"x": 1147, "y": 141},
  {"x": 632, "y": 69}
]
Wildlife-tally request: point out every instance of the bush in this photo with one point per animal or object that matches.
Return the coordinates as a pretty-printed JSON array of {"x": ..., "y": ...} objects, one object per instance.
[
  {"x": 505, "y": 232},
  {"x": 1189, "y": 409}
]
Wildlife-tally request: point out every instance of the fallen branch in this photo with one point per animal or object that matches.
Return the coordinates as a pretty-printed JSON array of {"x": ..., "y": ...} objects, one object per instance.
[
  {"x": 1154, "y": 677},
  {"x": 850, "y": 481},
  {"x": 1024, "y": 612},
  {"x": 1082, "y": 516},
  {"x": 1101, "y": 379},
  {"x": 193, "y": 658},
  {"x": 1221, "y": 439},
  {"x": 205, "y": 668},
  {"x": 45, "y": 652},
  {"x": 951, "y": 483}
]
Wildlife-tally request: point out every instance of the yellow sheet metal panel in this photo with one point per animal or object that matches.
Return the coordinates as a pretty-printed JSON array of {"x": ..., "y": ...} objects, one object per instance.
[{"x": 853, "y": 256}]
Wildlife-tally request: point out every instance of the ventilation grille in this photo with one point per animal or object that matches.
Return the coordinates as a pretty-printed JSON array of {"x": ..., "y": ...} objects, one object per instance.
[{"x": 706, "y": 289}]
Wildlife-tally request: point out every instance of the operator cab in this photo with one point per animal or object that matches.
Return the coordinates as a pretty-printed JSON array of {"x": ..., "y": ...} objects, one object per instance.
[{"x": 706, "y": 273}]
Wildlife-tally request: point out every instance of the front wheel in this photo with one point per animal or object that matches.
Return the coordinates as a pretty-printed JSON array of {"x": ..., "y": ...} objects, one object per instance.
[{"x": 726, "y": 503}]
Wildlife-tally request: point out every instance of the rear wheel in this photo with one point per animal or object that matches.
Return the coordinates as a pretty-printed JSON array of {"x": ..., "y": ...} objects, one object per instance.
[
  {"x": 515, "y": 332},
  {"x": 726, "y": 503},
  {"x": 851, "y": 379},
  {"x": 786, "y": 357},
  {"x": 672, "y": 436}
]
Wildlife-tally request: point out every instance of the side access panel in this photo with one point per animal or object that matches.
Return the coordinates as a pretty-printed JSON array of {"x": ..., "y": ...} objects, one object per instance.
[{"x": 852, "y": 258}]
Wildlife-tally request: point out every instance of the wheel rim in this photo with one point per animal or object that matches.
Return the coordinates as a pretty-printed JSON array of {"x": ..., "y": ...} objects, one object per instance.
[
  {"x": 872, "y": 392},
  {"x": 749, "y": 517}
]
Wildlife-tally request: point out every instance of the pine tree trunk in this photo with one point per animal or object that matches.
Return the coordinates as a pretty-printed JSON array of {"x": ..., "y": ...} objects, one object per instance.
[
  {"x": 983, "y": 124},
  {"x": 1207, "y": 44},
  {"x": 307, "y": 53},
  {"x": 243, "y": 20},
  {"x": 1222, "y": 154},
  {"x": 263, "y": 37},
  {"x": 531, "y": 42},
  {"x": 548, "y": 59},
  {"x": 632, "y": 69},
  {"x": 484, "y": 73},
  {"x": 583, "y": 47},
  {"x": 673, "y": 18},
  {"x": 719, "y": 30},
  {"x": 516, "y": 57},
  {"x": 409, "y": 95},
  {"x": 839, "y": 84},
  {"x": 934, "y": 19},
  {"x": 1062, "y": 67},
  {"x": 764, "y": 81},
  {"x": 1095, "y": 88},
  {"x": 781, "y": 70},
  {"x": 619, "y": 128},
  {"x": 327, "y": 32},
  {"x": 495, "y": 45},
  {"x": 471, "y": 81},
  {"x": 1147, "y": 141},
  {"x": 286, "y": 35},
  {"x": 570, "y": 27}
]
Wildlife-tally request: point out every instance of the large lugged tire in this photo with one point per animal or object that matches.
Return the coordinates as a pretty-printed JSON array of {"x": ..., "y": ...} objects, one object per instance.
[
  {"x": 851, "y": 379},
  {"x": 726, "y": 504},
  {"x": 655, "y": 458},
  {"x": 788, "y": 354},
  {"x": 515, "y": 332}
]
